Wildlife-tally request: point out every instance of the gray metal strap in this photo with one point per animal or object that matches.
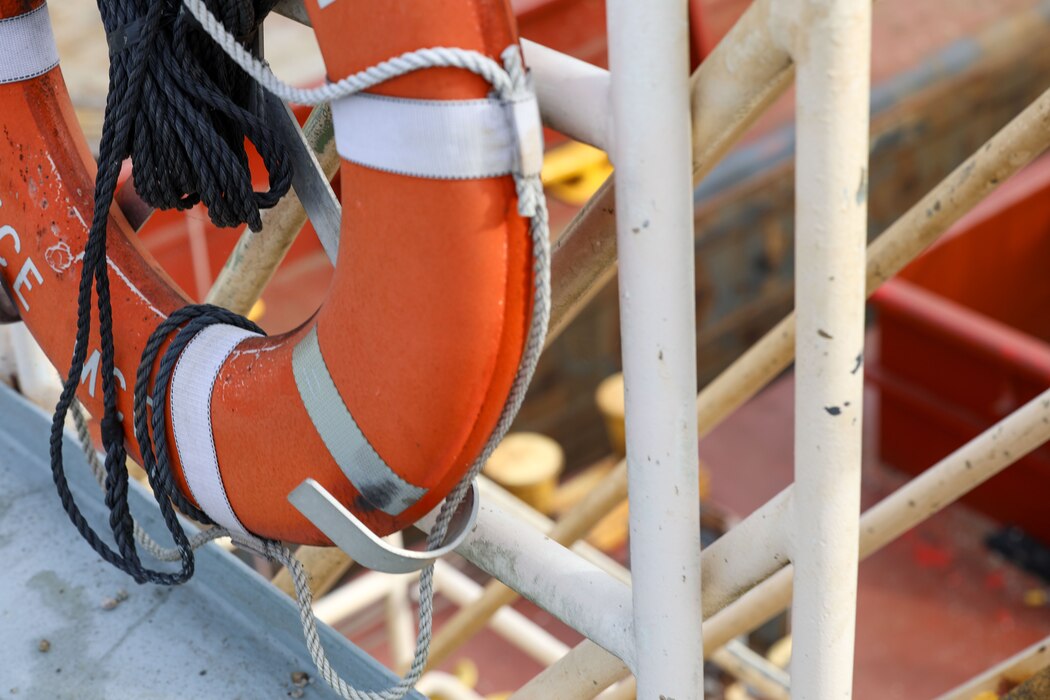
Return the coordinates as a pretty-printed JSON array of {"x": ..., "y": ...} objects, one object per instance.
[{"x": 349, "y": 447}]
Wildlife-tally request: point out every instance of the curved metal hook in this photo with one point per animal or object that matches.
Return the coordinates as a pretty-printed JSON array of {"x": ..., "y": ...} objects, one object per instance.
[{"x": 364, "y": 546}]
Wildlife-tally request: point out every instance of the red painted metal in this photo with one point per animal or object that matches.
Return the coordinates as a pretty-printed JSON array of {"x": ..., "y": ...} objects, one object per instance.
[
  {"x": 711, "y": 20},
  {"x": 965, "y": 340}
]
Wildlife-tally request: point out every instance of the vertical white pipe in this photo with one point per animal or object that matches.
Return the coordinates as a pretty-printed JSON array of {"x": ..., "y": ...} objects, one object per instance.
[
  {"x": 830, "y": 42},
  {"x": 649, "y": 65}
]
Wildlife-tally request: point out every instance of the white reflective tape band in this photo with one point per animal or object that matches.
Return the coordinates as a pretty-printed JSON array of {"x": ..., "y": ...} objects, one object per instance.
[
  {"x": 27, "y": 46},
  {"x": 440, "y": 139},
  {"x": 192, "y": 384}
]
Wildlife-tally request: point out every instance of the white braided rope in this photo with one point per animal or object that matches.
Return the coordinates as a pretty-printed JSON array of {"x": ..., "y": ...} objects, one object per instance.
[{"x": 437, "y": 57}]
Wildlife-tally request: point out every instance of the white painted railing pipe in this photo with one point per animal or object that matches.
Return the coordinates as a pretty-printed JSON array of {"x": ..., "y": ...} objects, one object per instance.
[
  {"x": 581, "y": 674},
  {"x": 626, "y": 689},
  {"x": 573, "y": 94},
  {"x": 749, "y": 50},
  {"x": 496, "y": 496},
  {"x": 953, "y": 477},
  {"x": 1014, "y": 146},
  {"x": 572, "y": 589},
  {"x": 830, "y": 41},
  {"x": 942, "y": 484},
  {"x": 740, "y": 661},
  {"x": 374, "y": 587},
  {"x": 757, "y": 547},
  {"x": 595, "y": 669},
  {"x": 729, "y": 91},
  {"x": 649, "y": 64},
  {"x": 363, "y": 592},
  {"x": 748, "y": 553},
  {"x": 510, "y": 624}
]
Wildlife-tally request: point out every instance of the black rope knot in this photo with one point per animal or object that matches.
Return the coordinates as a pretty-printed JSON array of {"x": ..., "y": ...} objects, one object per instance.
[{"x": 112, "y": 429}]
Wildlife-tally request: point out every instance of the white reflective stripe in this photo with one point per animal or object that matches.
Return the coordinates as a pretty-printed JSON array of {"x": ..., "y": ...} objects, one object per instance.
[
  {"x": 192, "y": 383},
  {"x": 442, "y": 139},
  {"x": 27, "y": 46}
]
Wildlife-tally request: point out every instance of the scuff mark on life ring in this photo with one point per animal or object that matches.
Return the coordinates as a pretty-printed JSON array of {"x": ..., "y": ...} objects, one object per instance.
[{"x": 59, "y": 257}]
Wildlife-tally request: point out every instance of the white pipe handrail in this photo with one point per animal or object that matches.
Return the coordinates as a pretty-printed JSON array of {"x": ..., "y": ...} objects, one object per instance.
[
  {"x": 649, "y": 63},
  {"x": 832, "y": 51}
]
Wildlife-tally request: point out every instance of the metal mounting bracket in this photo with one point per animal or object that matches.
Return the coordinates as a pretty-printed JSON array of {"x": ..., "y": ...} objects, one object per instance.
[{"x": 365, "y": 547}]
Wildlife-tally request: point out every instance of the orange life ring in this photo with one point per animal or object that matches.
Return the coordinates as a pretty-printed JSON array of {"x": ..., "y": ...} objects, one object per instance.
[{"x": 421, "y": 335}]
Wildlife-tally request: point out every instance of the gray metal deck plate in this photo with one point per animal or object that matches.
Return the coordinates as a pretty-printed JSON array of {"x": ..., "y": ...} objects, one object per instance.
[{"x": 227, "y": 634}]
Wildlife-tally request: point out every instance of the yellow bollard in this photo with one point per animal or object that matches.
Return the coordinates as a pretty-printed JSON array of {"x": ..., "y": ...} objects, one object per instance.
[
  {"x": 528, "y": 465},
  {"x": 574, "y": 172},
  {"x": 610, "y": 399}
]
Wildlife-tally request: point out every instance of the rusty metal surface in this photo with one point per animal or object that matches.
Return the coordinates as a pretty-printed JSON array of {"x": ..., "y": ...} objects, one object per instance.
[{"x": 67, "y": 631}]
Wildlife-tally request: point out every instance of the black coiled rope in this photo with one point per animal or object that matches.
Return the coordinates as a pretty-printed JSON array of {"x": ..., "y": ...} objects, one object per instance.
[{"x": 182, "y": 111}]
